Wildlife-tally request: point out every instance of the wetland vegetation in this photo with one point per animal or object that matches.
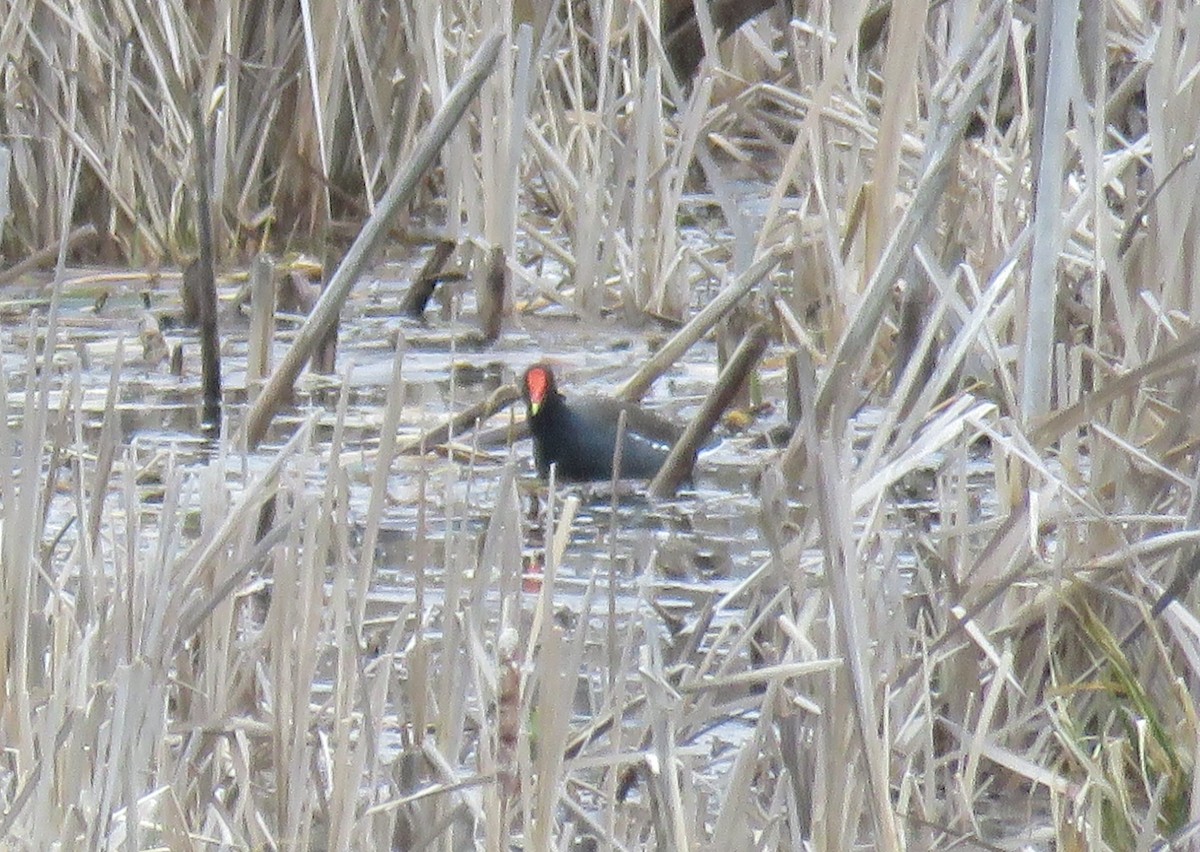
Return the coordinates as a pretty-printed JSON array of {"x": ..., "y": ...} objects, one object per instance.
[{"x": 931, "y": 585}]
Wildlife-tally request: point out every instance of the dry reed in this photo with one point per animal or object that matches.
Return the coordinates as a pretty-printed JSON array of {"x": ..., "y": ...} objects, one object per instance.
[{"x": 951, "y": 639}]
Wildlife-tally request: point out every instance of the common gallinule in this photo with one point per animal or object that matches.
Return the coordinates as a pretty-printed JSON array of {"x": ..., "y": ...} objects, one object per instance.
[{"x": 581, "y": 436}]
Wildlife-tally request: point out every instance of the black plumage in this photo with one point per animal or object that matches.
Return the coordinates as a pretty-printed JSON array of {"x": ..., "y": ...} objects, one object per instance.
[{"x": 580, "y": 435}]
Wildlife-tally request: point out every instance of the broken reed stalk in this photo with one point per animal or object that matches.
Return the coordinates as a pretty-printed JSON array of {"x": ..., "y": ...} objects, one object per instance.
[
  {"x": 792, "y": 389},
  {"x": 262, "y": 314},
  {"x": 699, "y": 325},
  {"x": 421, "y": 290},
  {"x": 682, "y": 457},
  {"x": 618, "y": 452},
  {"x": 324, "y": 358},
  {"x": 210, "y": 345},
  {"x": 501, "y": 398},
  {"x": 110, "y": 437},
  {"x": 495, "y": 288},
  {"x": 794, "y": 460},
  {"x": 401, "y": 189},
  {"x": 190, "y": 286}
]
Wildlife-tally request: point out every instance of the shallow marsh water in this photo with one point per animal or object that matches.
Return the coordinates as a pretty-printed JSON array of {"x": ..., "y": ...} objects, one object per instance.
[
  {"x": 646, "y": 563},
  {"x": 700, "y": 544}
]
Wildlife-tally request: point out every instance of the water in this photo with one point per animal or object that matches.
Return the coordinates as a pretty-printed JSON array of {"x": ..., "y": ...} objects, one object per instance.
[
  {"x": 700, "y": 543},
  {"x": 656, "y": 566}
]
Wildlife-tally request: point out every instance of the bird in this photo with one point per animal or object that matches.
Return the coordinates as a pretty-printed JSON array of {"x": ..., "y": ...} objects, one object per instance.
[{"x": 580, "y": 436}]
